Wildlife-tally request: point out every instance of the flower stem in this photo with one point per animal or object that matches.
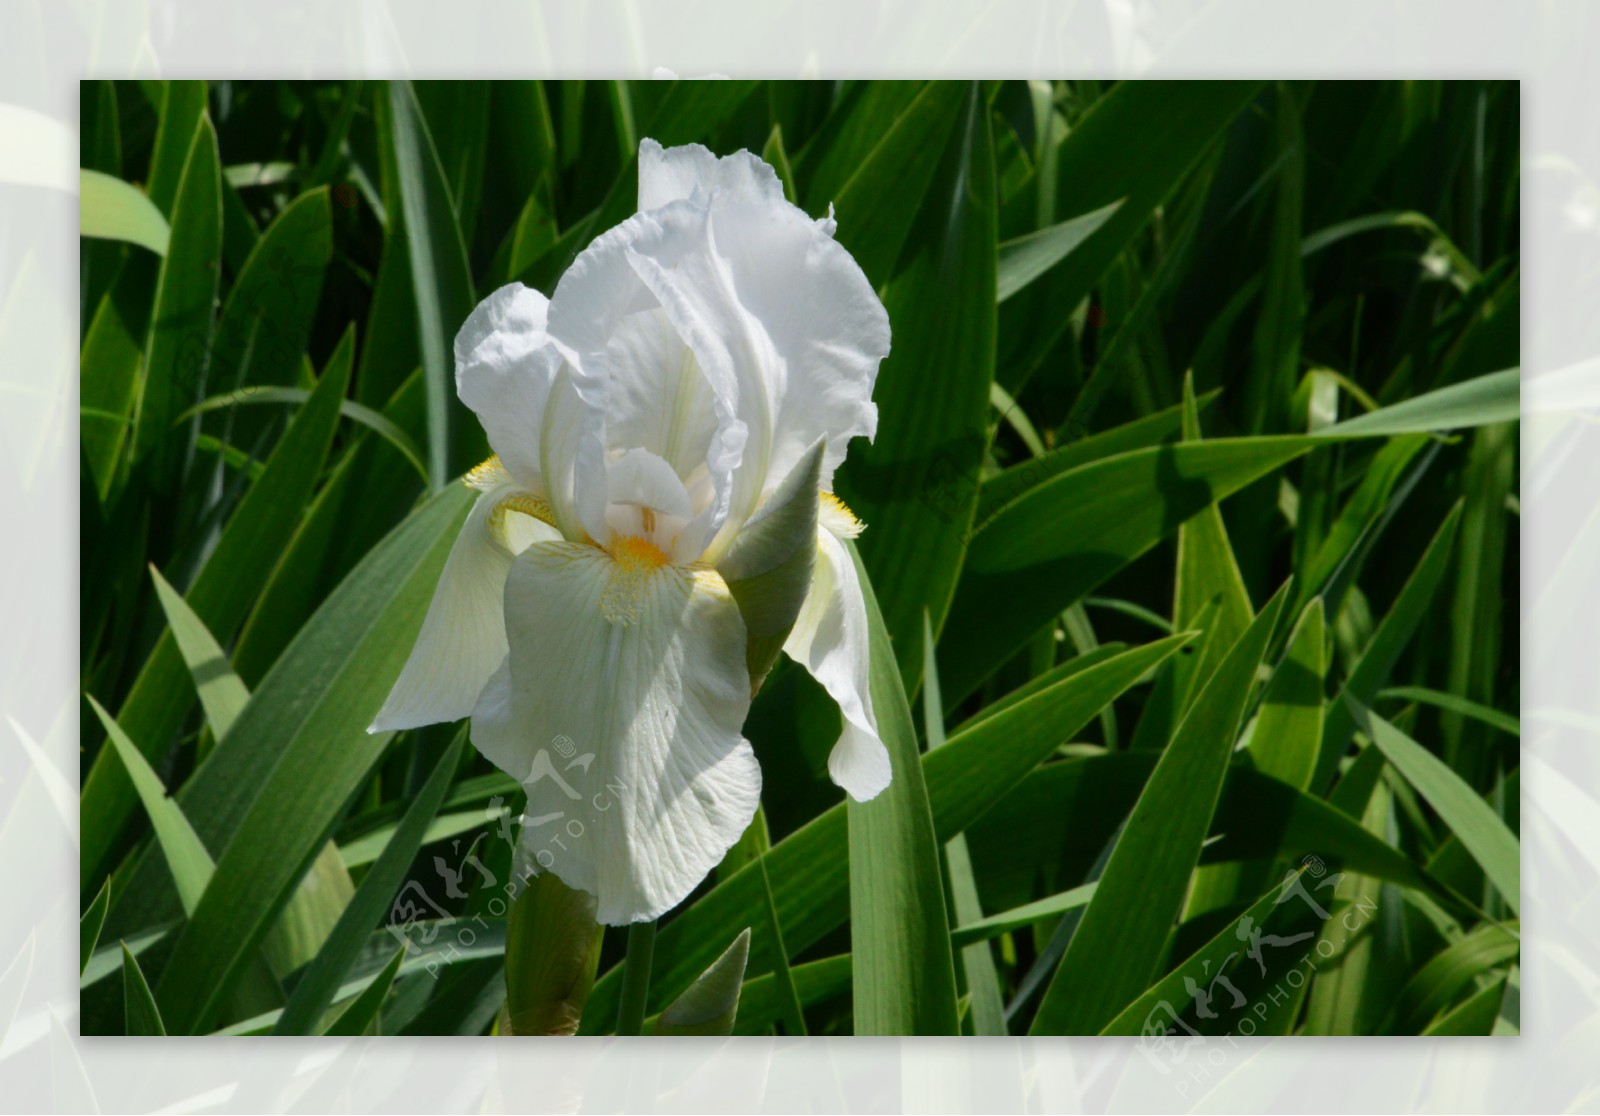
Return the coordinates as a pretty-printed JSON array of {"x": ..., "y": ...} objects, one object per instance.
[{"x": 636, "y": 977}]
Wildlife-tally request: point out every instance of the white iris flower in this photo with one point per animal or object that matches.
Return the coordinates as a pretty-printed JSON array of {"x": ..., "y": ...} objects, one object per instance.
[{"x": 658, "y": 513}]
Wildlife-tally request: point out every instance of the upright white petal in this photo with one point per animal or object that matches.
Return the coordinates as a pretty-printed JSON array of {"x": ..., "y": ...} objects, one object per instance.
[
  {"x": 830, "y": 640},
  {"x": 691, "y": 171},
  {"x": 463, "y": 636},
  {"x": 620, "y": 707},
  {"x": 784, "y": 323},
  {"x": 601, "y": 317},
  {"x": 542, "y": 419}
]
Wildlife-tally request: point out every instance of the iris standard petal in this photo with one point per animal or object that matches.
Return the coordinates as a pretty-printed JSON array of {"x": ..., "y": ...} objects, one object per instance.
[
  {"x": 785, "y": 325},
  {"x": 543, "y": 421},
  {"x": 681, "y": 173},
  {"x": 619, "y": 708},
  {"x": 830, "y": 640},
  {"x": 602, "y": 316}
]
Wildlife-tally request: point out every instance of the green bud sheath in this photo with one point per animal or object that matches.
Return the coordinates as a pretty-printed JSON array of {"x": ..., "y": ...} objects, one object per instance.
[
  {"x": 552, "y": 952},
  {"x": 768, "y": 570}
]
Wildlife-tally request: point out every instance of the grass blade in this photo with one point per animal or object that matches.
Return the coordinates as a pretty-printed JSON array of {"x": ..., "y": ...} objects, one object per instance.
[
  {"x": 1505, "y": 722},
  {"x": 1023, "y": 259},
  {"x": 1383, "y": 650},
  {"x": 186, "y": 856},
  {"x": 1479, "y": 829},
  {"x": 1482, "y": 401},
  {"x": 1288, "y": 729},
  {"x": 982, "y": 930},
  {"x": 222, "y": 695},
  {"x": 1119, "y": 942},
  {"x": 983, "y": 981},
  {"x": 1058, "y": 540},
  {"x": 357, "y": 1019},
  {"x": 220, "y": 596},
  {"x": 110, "y": 208},
  {"x": 903, "y": 975},
  {"x": 271, "y": 791},
  {"x": 89, "y": 926},
  {"x": 441, "y": 281},
  {"x": 932, "y": 395},
  {"x": 141, "y": 1015}
]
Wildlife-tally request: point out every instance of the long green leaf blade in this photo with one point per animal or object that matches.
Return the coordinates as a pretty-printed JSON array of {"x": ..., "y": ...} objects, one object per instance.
[
  {"x": 322, "y": 977},
  {"x": 1116, "y": 948},
  {"x": 904, "y": 977},
  {"x": 108, "y": 207},
  {"x": 1469, "y": 817}
]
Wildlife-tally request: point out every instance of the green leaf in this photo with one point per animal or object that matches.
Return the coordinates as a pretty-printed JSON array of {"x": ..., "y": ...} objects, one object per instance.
[
  {"x": 1059, "y": 539},
  {"x": 1383, "y": 650},
  {"x": 441, "y": 282},
  {"x": 965, "y": 935},
  {"x": 110, "y": 208},
  {"x": 880, "y": 163},
  {"x": 983, "y": 981},
  {"x": 1479, "y": 829},
  {"x": 182, "y": 105},
  {"x": 1505, "y": 722},
  {"x": 1475, "y": 1017},
  {"x": 915, "y": 485},
  {"x": 1208, "y": 574},
  {"x": 1206, "y": 963},
  {"x": 997, "y": 492},
  {"x": 271, "y": 791},
  {"x": 379, "y": 423},
  {"x": 357, "y": 1019},
  {"x": 222, "y": 694},
  {"x": 266, "y": 319},
  {"x": 1114, "y": 953},
  {"x": 904, "y": 979},
  {"x": 1478, "y": 402},
  {"x": 1275, "y": 344},
  {"x": 141, "y": 1014},
  {"x": 89, "y": 925},
  {"x": 979, "y": 764},
  {"x": 113, "y": 351},
  {"x": 1288, "y": 730},
  {"x": 180, "y": 325},
  {"x": 1385, "y": 484},
  {"x": 762, "y": 1001},
  {"x": 221, "y": 594},
  {"x": 708, "y": 1006},
  {"x": 311, "y": 914},
  {"x": 320, "y": 981},
  {"x": 1063, "y": 813},
  {"x": 185, "y": 854},
  {"x": 1136, "y": 144},
  {"x": 1449, "y": 973},
  {"x": 1023, "y": 259}
]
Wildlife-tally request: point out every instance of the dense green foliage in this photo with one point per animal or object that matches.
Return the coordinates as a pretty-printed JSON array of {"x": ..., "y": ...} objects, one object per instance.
[{"x": 1210, "y": 679}]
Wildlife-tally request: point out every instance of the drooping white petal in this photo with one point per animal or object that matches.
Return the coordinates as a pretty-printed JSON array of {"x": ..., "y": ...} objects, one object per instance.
[
  {"x": 691, "y": 171},
  {"x": 619, "y": 708},
  {"x": 784, "y": 323},
  {"x": 830, "y": 640},
  {"x": 543, "y": 421},
  {"x": 463, "y": 635}
]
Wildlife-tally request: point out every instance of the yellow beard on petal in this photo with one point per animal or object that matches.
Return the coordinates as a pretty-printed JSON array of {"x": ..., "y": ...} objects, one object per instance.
[
  {"x": 636, "y": 560},
  {"x": 838, "y": 518}
]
